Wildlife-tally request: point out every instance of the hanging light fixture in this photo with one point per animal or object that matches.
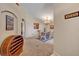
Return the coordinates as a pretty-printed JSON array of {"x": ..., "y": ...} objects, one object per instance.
[{"x": 47, "y": 20}]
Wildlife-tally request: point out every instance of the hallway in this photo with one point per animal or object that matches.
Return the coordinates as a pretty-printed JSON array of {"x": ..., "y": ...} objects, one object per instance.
[
  {"x": 42, "y": 29},
  {"x": 27, "y": 29}
]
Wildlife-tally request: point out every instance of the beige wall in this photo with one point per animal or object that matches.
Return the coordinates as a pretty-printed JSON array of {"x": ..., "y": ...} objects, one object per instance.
[
  {"x": 3, "y": 32},
  {"x": 66, "y": 32}
]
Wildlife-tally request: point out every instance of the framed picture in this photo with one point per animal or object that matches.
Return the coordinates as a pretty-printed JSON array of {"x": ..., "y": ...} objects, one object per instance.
[
  {"x": 9, "y": 23},
  {"x": 36, "y": 25},
  {"x": 51, "y": 26}
]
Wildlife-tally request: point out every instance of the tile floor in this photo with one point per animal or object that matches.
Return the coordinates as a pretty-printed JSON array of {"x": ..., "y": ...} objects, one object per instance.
[{"x": 34, "y": 47}]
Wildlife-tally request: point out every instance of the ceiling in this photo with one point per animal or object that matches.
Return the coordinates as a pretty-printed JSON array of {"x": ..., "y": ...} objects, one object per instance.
[{"x": 39, "y": 10}]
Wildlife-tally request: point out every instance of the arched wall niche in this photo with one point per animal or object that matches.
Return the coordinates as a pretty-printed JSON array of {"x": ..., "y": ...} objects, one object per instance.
[{"x": 9, "y": 12}]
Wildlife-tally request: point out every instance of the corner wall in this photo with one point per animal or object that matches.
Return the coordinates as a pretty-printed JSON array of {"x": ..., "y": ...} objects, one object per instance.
[{"x": 66, "y": 32}]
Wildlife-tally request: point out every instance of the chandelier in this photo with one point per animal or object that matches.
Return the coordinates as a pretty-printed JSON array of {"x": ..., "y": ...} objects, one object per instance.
[{"x": 47, "y": 20}]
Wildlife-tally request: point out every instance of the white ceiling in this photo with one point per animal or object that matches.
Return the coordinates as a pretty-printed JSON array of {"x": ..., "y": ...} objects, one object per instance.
[{"x": 38, "y": 10}]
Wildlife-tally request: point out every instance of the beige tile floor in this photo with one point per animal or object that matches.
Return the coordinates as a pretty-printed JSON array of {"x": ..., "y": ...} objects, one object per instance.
[{"x": 35, "y": 47}]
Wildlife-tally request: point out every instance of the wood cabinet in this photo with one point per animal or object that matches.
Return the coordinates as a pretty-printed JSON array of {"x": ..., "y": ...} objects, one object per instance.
[{"x": 12, "y": 46}]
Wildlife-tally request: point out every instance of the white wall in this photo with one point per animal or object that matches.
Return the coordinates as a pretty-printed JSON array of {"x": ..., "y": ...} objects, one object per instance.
[
  {"x": 30, "y": 31},
  {"x": 66, "y": 32}
]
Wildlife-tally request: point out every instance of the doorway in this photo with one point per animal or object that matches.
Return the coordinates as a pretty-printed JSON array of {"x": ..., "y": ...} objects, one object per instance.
[{"x": 23, "y": 28}]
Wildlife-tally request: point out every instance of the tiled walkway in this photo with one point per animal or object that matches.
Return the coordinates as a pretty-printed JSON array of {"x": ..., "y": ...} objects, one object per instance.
[{"x": 34, "y": 47}]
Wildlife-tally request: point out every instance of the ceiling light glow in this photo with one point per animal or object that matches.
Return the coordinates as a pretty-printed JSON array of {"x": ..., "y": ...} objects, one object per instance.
[{"x": 47, "y": 18}]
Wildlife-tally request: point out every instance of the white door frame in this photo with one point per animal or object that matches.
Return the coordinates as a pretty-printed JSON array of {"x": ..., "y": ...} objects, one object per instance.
[{"x": 23, "y": 28}]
